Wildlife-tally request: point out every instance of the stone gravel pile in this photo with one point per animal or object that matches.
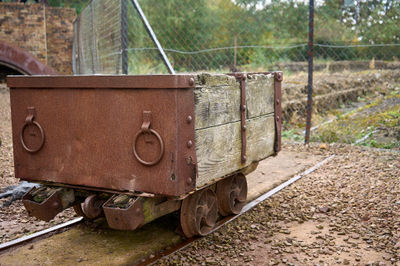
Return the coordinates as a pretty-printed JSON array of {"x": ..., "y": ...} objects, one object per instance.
[{"x": 346, "y": 212}]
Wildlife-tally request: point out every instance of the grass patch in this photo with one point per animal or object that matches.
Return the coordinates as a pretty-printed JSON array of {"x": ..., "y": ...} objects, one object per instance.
[
  {"x": 292, "y": 134},
  {"x": 349, "y": 128}
]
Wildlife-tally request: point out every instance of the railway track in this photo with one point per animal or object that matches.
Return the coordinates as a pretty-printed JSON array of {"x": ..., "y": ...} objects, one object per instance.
[
  {"x": 154, "y": 257},
  {"x": 40, "y": 234},
  {"x": 246, "y": 208}
]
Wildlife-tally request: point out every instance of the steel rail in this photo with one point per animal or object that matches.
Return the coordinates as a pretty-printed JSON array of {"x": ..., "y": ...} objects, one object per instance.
[
  {"x": 24, "y": 239},
  {"x": 246, "y": 208}
]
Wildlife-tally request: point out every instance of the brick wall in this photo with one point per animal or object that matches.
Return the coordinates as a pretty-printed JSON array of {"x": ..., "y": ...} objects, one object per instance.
[
  {"x": 45, "y": 32},
  {"x": 60, "y": 32}
]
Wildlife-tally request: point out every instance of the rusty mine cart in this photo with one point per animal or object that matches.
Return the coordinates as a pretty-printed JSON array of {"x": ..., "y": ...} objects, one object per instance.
[{"x": 134, "y": 148}]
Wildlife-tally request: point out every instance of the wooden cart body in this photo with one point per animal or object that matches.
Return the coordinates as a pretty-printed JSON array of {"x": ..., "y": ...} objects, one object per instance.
[{"x": 159, "y": 134}]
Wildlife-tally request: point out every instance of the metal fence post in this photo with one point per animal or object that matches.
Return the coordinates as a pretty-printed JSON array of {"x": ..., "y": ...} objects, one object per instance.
[
  {"x": 153, "y": 36},
  {"x": 124, "y": 37},
  {"x": 75, "y": 48},
  {"x": 310, "y": 70},
  {"x": 93, "y": 37}
]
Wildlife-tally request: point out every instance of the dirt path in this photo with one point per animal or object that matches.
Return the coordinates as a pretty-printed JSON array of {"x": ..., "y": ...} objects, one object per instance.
[{"x": 347, "y": 212}]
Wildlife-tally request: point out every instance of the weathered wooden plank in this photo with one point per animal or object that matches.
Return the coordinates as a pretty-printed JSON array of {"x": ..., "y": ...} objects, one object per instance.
[
  {"x": 218, "y": 148},
  {"x": 217, "y": 98},
  {"x": 214, "y": 80},
  {"x": 259, "y": 94},
  {"x": 216, "y": 105}
]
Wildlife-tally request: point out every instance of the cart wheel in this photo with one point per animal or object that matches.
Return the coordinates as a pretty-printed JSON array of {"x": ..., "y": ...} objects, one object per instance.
[
  {"x": 231, "y": 194},
  {"x": 199, "y": 213},
  {"x": 92, "y": 207},
  {"x": 78, "y": 210}
]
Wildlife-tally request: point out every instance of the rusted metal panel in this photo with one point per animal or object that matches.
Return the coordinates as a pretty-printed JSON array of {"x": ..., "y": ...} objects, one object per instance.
[
  {"x": 278, "y": 109},
  {"x": 105, "y": 82},
  {"x": 124, "y": 219},
  {"x": 90, "y": 132},
  {"x": 133, "y": 212},
  {"x": 187, "y": 168},
  {"x": 45, "y": 210}
]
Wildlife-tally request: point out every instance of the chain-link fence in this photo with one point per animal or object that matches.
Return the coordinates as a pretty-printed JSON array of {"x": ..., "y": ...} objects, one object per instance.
[
  {"x": 227, "y": 35},
  {"x": 97, "y": 38},
  {"x": 248, "y": 35}
]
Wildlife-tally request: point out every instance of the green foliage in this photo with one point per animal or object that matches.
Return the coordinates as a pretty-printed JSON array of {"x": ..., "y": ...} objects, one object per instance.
[
  {"x": 291, "y": 134},
  {"x": 203, "y": 34},
  {"x": 79, "y": 5}
]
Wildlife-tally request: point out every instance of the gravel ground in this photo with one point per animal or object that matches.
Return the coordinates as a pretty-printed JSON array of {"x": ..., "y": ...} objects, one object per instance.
[
  {"x": 347, "y": 212},
  {"x": 6, "y": 156}
]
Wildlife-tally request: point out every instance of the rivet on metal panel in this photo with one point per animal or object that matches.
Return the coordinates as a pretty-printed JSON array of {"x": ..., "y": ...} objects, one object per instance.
[
  {"x": 189, "y": 119},
  {"x": 189, "y": 160},
  {"x": 191, "y": 81},
  {"x": 190, "y": 144},
  {"x": 189, "y": 180},
  {"x": 278, "y": 76}
]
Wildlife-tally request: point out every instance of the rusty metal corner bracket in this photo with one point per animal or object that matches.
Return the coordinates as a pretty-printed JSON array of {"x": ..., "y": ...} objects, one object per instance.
[
  {"x": 278, "y": 77},
  {"x": 241, "y": 78}
]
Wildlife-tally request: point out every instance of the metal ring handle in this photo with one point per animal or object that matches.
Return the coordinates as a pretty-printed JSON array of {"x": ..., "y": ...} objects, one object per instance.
[
  {"x": 41, "y": 133},
  {"x": 161, "y": 147}
]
